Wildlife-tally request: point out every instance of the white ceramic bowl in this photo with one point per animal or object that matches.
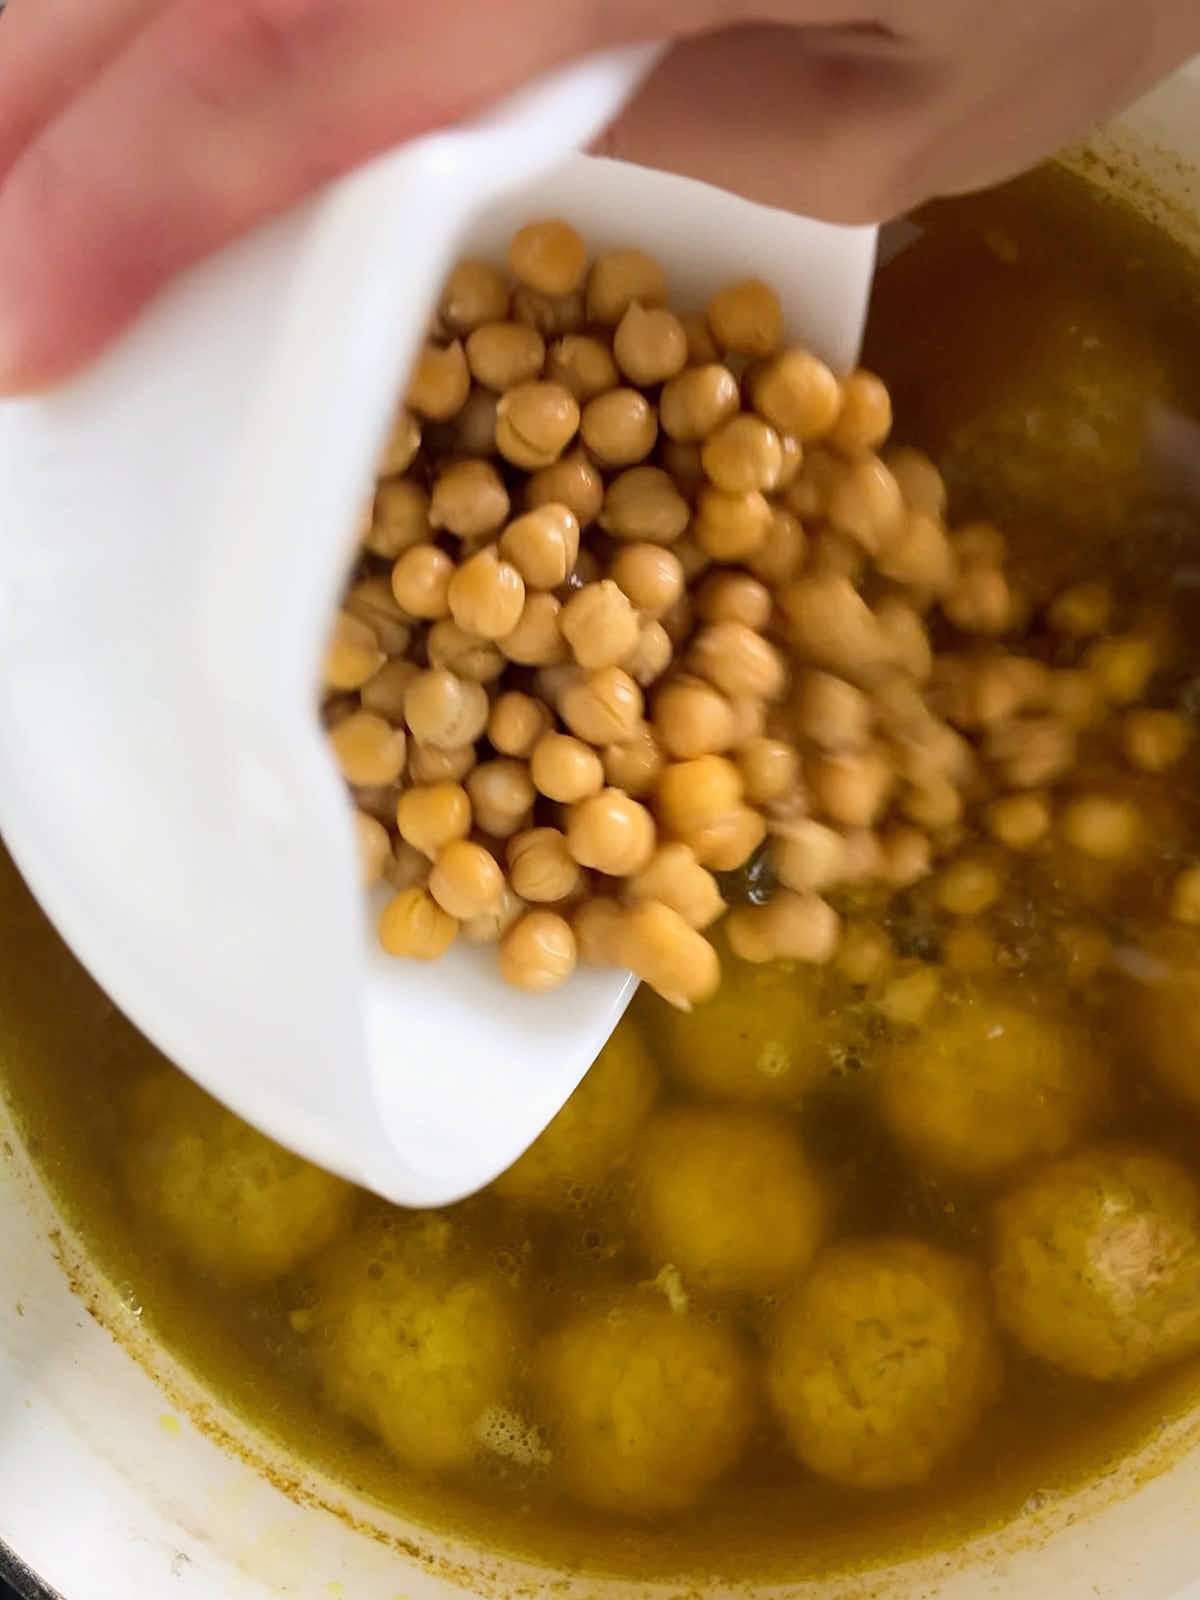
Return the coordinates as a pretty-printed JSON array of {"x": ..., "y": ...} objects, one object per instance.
[{"x": 121, "y": 1479}]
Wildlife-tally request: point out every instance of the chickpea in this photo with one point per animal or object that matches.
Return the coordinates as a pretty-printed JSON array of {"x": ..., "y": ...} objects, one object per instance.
[
  {"x": 403, "y": 443},
  {"x": 908, "y": 998},
  {"x": 864, "y": 954},
  {"x": 586, "y": 367},
  {"x": 600, "y": 926},
  {"x": 734, "y": 597},
  {"x": 476, "y": 292},
  {"x": 406, "y": 867},
  {"x": 466, "y": 880},
  {"x": 611, "y": 833},
  {"x": 790, "y": 927},
  {"x": 599, "y": 624},
  {"x": 565, "y": 769},
  {"x": 368, "y": 750},
  {"x": 548, "y": 256},
  {"x": 619, "y": 279},
  {"x": 920, "y": 482},
  {"x": 693, "y": 794},
  {"x": 979, "y": 601},
  {"x": 833, "y": 626},
  {"x": 809, "y": 855},
  {"x": 906, "y": 638},
  {"x": 352, "y": 654},
  {"x": 1122, "y": 666},
  {"x": 743, "y": 454},
  {"x": 536, "y": 641},
  {"x": 833, "y": 554},
  {"x": 635, "y": 765},
  {"x": 516, "y": 723},
  {"x": 473, "y": 430},
  {"x": 747, "y": 317},
  {"x": 572, "y": 482},
  {"x": 603, "y": 708},
  {"x": 401, "y": 518},
  {"x": 834, "y": 714},
  {"x": 1019, "y": 821},
  {"x": 728, "y": 842},
  {"x": 433, "y": 815},
  {"x": 695, "y": 404},
  {"x": 491, "y": 925},
  {"x": 1082, "y": 611},
  {"x": 781, "y": 555},
  {"x": 683, "y": 463},
  {"x": 851, "y": 787},
  {"x": 619, "y": 427},
  {"x": 650, "y": 345},
  {"x": 414, "y": 925},
  {"x": 1101, "y": 826},
  {"x": 373, "y": 847},
  {"x": 731, "y": 527},
  {"x": 428, "y": 763},
  {"x": 979, "y": 544},
  {"x": 487, "y": 595},
  {"x": 552, "y": 682},
  {"x": 1031, "y": 752},
  {"x": 738, "y": 661},
  {"x": 966, "y": 887},
  {"x": 535, "y": 422},
  {"x": 1154, "y": 740},
  {"x": 674, "y": 877},
  {"x": 444, "y": 710},
  {"x": 1185, "y": 896},
  {"x": 651, "y": 655},
  {"x": 543, "y": 545},
  {"x": 1074, "y": 696},
  {"x": 906, "y": 855},
  {"x": 469, "y": 499},
  {"x": 702, "y": 347},
  {"x": 650, "y": 575},
  {"x": 770, "y": 768},
  {"x": 917, "y": 552},
  {"x": 504, "y": 354},
  {"x": 502, "y": 796},
  {"x": 933, "y": 802},
  {"x": 538, "y": 952},
  {"x": 749, "y": 719},
  {"x": 440, "y": 384},
  {"x": 798, "y": 394},
  {"x": 662, "y": 950},
  {"x": 421, "y": 582},
  {"x": 465, "y": 654},
  {"x": 551, "y": 314},
  {"x": 540, "y": 867},
  {"x": 642, "y": 503},
  {"x": 371, "y": 600},
  {"x": 809, "y": 493},
  {"x": 865, "y": 418},
  {"x": 691, "y": 718},
  {"x": 866, "y": 504}
]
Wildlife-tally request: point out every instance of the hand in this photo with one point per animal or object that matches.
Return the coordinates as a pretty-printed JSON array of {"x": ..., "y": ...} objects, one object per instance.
[{"x": 137, "y": 135}]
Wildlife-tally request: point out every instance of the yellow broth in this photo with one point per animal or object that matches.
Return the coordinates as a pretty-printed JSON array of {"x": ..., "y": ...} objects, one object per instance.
[{"x": 1025, "y": 335}]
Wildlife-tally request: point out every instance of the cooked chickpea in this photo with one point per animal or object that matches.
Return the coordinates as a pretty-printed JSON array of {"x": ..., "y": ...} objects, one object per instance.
[
  {"x": 678, "y": 963},
  {"x": 1019, "y": 821},
  {"x": 743, "y": 454},
  {"x": 966, "y": 887},
  {"x": 809, "y": 493},
  {"x": 979, "y": 544},
  {"x": 728, "y": 842},
  {"x": 635, "y": 765},
  {"x": 692, "y": 718},
  {"x": 749, "y": 719},
  {"x": 611, "y": 833},
  {"x": 918, "y": 553},
  {"x": 371, "y": 600},
  {"x": 368, "y": 749},
  {"x": 921, "y": 483},
  {"x": 695, "y": 404},
  {"x": 734, "y": 597},
  {"x": 642, "y": 503},
  {"x": 403, "y": 443},
  {"x": 543, "y": 545},
  {"x": 619, "y": 279},
  {"x": 572, "y": 482},
  {"x": 865, "y": 418},
  {"x": 599, "y": 624},
  {"x": 475, "y": 292},
  {"x": 933, "y": 802},
  {"x": 429, "y": 763},
  {"x": 537, "y": 641},
  {"x": 651, "y": 655},
  {"x": 441, "y": 382},
  {"x": 979, "y": 601},
  {"x": 352, "y": 654},
  {"x": 692, "y": 795},
  {"x": 905, "y": 637},
  {"x": 650, "y": 575},
  {"x": 433, "y": 815},
  {"x": 738, "y": 661},
  {"x": 491, "y": 925},
  {"x": 563, "y": 768},
  {"x": 1154, "y": 740},
  {"x": 421, "y": 582},
  {"x": 469, "y": 499},
  {"x": 864, "y": 954},
  {"x": 1082, "y": 611},
  {"x": 866, "y": 505},
  {"x": 781, "y": 555},
  {"x": 834, "y": 627},
  {"x": 600, "y": 926},
  {"x": 444, "y": 710},
  {"x": 798, "y": 394},
  {"x": 406, "y": 867},
  {"x": 851, "y": 787},
  {"x": 605, "y": 707},
  {"x": 548, "y": 256},
  {"x": 790, "y": 927},
  {"x": 516, "y": 723},
  {"x": 834, "y": 714},
  {"x": 465, "y": 654},
  {"x": 551, "y": 314},
  {"x": 833, "y": 554},
  {"x": 1101, "y": 826},
  {"x": 1185, "y": 896},
  {"x": 619, "y": 427},
  {"x": 502, "y": 796},
  {"x": 1122, "y": 666},
  {"x": 466, "y": 880},
  {"x": 1031, "y": 752},
  {"x": 906, "y": 855},
  {"x": 486, "y": 595},
  {"x": 909, "y": 996},
  {"x": 535, "y": 422},
  {"x": 540, "y": 867},
  {"x": 769, "y": 768},
  {"x": 538, "y": 952},
  {"x": 747, "y": 317},
  {"x": 373, "y": 846},
  {"x": 504, "y": 354},
  {"x": 586, "y": 367},
  {"x": 473, "y": 430},
  {"x": 413, "y": 924},
  {"x": 552, "y": 682},
  {"x": 400, "y": 520},
  {"x": 731, "y": 527},
  {"x": 702, "y": 347},
  {"x": 650, "y": 345},
  {"x": 674, "y": 877}
]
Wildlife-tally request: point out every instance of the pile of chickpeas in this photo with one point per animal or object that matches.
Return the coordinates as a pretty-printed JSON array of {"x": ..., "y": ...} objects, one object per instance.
[{"x": 642, "y": 598}]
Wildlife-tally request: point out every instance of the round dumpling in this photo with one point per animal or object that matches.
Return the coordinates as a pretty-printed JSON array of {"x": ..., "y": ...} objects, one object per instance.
[
  {"x": 882, "y": 1362},
  {"x": 593, "y": 1133},
  {"x": 987, "y": 1085},
  {"x": 415, "y": 1343},
  {"x": 1097, "y": 1263},
  {"x": 235, "y": 1205},
  {"x": 646, "y": 1407},
  {"x": 727, "y": 1196}
]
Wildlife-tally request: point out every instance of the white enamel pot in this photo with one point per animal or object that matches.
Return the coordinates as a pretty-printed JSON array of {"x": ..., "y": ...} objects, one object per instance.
[{"x": 121, "y": 1479}]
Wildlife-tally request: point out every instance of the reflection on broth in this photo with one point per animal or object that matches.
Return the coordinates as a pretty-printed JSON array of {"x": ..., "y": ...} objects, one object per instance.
[{"x": 851, "y": 1259}]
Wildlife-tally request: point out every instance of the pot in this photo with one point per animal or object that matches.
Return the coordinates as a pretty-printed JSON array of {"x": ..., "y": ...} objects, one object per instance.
[{"x": 121, "y": 1478}]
